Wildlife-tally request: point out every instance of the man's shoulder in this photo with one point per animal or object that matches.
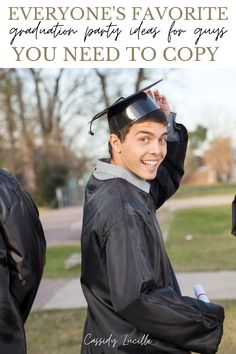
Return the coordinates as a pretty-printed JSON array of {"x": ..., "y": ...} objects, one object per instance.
[
  {"x": 9, "y": 185},
  {"x": 108, "y": 202},
  {"x": 10, "y": 189},
  {"x": 115, "y": 196},
  {"x": 7, "y": 178}
]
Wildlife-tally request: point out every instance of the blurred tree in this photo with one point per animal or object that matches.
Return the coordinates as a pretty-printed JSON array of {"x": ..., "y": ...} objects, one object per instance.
[
  {"x": 197, "y": 137},
  {"x": 105, "y": 76},
  {"x": 7, "y": 92},
  {"x": 26, "y": 138},
  {"x": 219, "y": 156},
  {"x": 49, "y": 178},
  {"x": 193, "y": 159},
  {"x": 32, "y": 132},
  {"x": 47, "y": 106}
]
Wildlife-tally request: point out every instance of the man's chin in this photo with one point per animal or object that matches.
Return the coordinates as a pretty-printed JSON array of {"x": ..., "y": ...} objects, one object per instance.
[
  {"x": 150, "y": 178},
  {"x": 148, "y": 175}
]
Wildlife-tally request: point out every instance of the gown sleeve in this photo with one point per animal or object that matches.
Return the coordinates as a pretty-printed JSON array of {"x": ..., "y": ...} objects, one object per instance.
[
  {"x": 12, "y": 339},
  {"x": 187, "y": 323},
  {"x": 25, "y": 244},
  {"x": 171, "y": 170}
]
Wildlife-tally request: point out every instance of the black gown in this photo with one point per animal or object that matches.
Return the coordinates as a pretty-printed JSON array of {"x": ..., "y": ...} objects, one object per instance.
[
  {"x": 134, "y": 301},
  {"x": 22, "y": 259},
  {"x": 233, "y": 231}
]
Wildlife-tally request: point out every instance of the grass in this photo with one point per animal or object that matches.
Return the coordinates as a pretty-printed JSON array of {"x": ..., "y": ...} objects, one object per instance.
[
  {"x": 228, "y": 343},
  {"x": 212, "y": 246},
  {"x": 55, "y": 332},
  {"x": 60, "y": 332},
  {"x": 55, "y": 259},
  {"x": 189, "y": 191}
]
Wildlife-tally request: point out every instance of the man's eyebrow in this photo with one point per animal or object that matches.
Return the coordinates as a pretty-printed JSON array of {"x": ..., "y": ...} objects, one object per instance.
[{"x": 149, "y": 133}]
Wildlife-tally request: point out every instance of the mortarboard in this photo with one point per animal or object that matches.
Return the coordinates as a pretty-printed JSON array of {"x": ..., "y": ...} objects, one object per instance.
[{"x": 127, "y": 110}]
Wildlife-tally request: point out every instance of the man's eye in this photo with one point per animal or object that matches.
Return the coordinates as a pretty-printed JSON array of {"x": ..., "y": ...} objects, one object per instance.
[
  {"x": 163, "y": 141},
  {"x": 144, "y": 139}
]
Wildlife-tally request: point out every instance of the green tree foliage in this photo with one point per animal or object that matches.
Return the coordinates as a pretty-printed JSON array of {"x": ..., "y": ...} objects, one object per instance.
[
  {"x": 49, "y": 177},
  {"x": 197, "y": 137}
]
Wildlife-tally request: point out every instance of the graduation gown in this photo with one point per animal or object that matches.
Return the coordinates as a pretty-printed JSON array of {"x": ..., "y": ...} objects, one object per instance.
[
  {"x": 134, "y": 301},
  {"x": 22, "y": 259},
  {"x": 233, "y": 230}
]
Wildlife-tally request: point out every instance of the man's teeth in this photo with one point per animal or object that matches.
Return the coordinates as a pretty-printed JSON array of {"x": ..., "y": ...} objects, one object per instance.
[{"x": 150, "y": 163}]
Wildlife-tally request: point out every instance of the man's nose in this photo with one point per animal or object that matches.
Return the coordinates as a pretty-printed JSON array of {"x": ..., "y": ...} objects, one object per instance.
[{"x": 155, "y": 147}]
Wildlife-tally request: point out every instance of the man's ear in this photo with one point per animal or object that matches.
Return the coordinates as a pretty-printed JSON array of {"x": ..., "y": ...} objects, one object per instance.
[{"x": 115, "y": 143}]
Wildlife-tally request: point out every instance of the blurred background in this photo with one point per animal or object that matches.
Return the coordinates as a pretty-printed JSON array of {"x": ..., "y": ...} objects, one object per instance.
[
  {"x": 45, "y": 142},
  {"x": 45, "y": 113}
]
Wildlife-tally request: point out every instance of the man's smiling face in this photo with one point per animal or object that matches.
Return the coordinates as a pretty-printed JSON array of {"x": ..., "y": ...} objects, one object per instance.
[{"x": 143, "y": 149}]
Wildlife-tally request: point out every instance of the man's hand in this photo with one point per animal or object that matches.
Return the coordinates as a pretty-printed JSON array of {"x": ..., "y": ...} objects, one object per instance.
[{"x": 160, "y": 100}]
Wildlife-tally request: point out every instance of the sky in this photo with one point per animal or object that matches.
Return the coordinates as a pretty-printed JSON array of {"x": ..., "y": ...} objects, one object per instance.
[{"x": 207, "y": 97}]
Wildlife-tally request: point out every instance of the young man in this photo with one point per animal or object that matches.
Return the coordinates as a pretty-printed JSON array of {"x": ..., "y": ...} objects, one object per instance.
[
  {"x": 22, "y": 259},
  {"x": 134, "y": 301}
]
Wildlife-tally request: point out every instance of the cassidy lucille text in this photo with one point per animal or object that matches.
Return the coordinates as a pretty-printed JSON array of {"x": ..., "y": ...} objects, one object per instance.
[{"x": 112, "y": 341}]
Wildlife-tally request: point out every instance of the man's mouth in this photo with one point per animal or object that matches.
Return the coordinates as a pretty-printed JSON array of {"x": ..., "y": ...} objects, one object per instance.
[{"x": 150, "y": 163}]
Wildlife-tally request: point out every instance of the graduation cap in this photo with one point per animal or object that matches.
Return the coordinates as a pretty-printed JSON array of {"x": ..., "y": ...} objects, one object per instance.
[{"x": 127, "y": 110}]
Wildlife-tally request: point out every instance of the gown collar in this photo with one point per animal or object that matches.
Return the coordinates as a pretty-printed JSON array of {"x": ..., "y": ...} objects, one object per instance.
[{"x": 105, "y": 170}]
